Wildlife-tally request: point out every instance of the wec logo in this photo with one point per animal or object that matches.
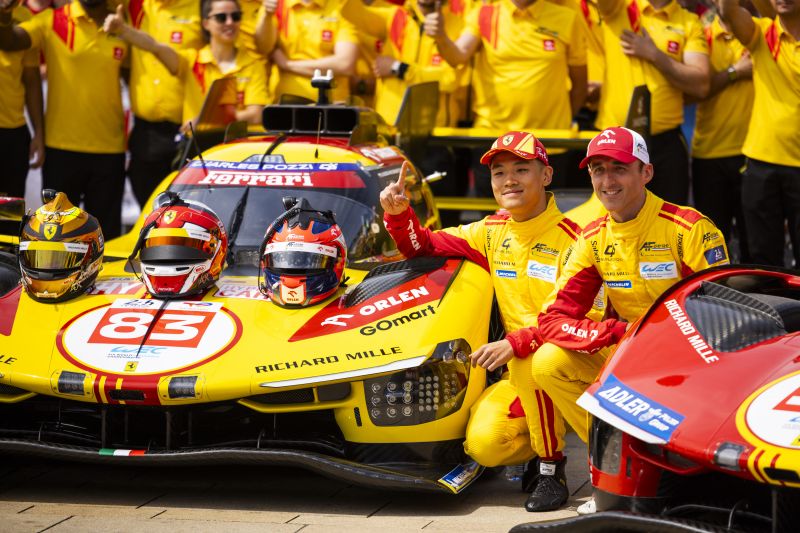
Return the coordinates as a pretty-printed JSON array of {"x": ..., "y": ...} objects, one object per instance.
[
  {"x": 541, "y": 271},
  {"x": 667, "y": 270}
]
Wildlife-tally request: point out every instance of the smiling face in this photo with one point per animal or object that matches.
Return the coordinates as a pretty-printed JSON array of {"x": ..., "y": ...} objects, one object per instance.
[
  {"x": 518, "y": 185},
  {"x": 219, "y": 22},
  {"x": 787, "y": 8},
  {"x": 619, "y": 186}
]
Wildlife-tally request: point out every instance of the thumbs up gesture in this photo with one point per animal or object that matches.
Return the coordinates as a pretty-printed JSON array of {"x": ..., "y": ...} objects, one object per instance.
[
  {"x": 434, "y": 22},
  {"x": 393, "y": 198},
  {"x": 115, "y": 22}
]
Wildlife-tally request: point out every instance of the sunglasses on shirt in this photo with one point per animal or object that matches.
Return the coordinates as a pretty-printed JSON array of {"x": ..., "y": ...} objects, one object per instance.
[{"x": 236, "y": 16}]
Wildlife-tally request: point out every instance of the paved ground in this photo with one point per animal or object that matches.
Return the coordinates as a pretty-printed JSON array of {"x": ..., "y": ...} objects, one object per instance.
[{"x": 62, "y": 497}]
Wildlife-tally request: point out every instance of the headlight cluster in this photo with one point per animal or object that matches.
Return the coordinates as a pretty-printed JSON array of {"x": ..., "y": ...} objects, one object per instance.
[{"x": 422, "y": 394}]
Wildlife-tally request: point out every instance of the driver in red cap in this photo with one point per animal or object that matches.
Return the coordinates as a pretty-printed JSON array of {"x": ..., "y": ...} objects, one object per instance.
[
  {"x": 524, "y": 248},
  {"x": 634, "y": 253}
]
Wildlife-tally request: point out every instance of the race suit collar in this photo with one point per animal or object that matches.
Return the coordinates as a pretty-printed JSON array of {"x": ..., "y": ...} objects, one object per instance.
[
  {"x": 547, "y": 218},
  {"x": 639, "y": 224}
]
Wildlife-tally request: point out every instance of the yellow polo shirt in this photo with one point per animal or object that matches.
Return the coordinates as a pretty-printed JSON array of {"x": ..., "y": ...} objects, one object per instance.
[
  {"x": 310, "y": 31},
  {"x": 675, "y": 31},
  {"x": 247, "y": 29},
  {"x": 84, "y": 101},
  {"x": 521, "y": 78},
  {"x": 722, "y": 120},
  {"x": 199, "y": 70},
  {"x": 404, "y": 39},
  {"x": 12, "y": 96},
  {"x": 157, "y": 95},
  {"x": 595, "y": 59},
  {"x": 773, "y": 132}
]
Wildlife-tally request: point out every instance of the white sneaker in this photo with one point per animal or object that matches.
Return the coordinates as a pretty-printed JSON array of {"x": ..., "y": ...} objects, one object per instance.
[{"x": 588, "y": 507}]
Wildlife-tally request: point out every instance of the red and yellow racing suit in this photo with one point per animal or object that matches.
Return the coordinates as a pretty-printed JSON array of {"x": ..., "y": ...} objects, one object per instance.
[
  {"x": 524, "y": 260},
  {"x": 635, "y": 261}
]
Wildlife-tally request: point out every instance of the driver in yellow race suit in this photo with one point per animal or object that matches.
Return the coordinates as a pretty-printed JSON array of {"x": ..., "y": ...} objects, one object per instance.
[
  {"x": 636, "y": 251},
  {"x": 524, "y": 248}
]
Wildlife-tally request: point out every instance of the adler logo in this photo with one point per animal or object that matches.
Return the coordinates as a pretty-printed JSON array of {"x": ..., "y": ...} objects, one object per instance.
[
  {"x": 673, "y": 47},
  {"x": 176, "y": 37},
  {"x": 549, "y": 45}
]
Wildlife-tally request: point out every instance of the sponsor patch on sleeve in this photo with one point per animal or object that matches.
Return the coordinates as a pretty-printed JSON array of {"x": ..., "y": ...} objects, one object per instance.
[
  {"x": 637, "y": 409},
  {"x": 715, "y": 255}
]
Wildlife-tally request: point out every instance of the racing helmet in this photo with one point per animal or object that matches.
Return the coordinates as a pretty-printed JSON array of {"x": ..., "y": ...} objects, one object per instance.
[
  {"x": 182, "y": 248},
  {"x": 302, "y": 256},
  {"x": 60, "y": 250}
]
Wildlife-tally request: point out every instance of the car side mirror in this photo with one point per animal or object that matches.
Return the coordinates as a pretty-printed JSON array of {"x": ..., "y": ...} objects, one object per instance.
[{"x": 11, "y": 208}]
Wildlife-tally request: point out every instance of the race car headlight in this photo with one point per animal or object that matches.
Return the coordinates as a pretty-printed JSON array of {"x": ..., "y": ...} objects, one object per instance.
[
  {"x": 422, "y": 394},
  {"x": 728, "y": 454}
]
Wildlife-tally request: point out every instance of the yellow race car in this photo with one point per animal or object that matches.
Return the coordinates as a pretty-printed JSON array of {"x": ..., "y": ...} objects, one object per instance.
[{"x": 373, "y": 385}]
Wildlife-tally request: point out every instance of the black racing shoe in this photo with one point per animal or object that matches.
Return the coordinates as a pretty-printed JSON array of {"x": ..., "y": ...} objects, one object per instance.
[
  {"x": 551, "y": 491},
  {"x": 531, "y": 475}
]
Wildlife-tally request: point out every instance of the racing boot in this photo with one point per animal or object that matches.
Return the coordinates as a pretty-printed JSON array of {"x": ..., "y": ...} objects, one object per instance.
[
  {"x": 550, "y": 492},
  {"x": 531, "y": 475}
]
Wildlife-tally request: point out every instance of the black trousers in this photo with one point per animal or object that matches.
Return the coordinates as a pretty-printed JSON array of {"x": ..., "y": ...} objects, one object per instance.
[
  {"x": 717, "y": 186},
  {"x": 14, "y": 153},
  {"x": 770, "y": 197},
  {"x": 670, "y": 158},
  {"x": 97, "y": 180},
  {"x": 152, "y": 147}
]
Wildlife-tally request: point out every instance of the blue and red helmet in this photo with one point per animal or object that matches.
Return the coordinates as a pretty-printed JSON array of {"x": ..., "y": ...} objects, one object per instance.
[{"x": 302, "y": 257}]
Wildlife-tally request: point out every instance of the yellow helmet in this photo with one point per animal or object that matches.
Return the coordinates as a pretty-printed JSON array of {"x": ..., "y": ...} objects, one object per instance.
[{"x": 60, "y": 250}]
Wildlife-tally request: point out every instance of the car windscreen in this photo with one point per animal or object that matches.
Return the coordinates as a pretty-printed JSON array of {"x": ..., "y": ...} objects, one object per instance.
[{"x": 246, "y": 213}]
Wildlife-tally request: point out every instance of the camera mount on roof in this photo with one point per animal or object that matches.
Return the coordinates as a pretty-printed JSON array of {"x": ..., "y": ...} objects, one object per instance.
[{"x": 323, "y": 84}]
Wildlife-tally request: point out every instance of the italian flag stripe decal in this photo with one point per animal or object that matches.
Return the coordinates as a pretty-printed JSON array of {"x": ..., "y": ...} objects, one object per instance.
[{"x": 114, "y": 451}]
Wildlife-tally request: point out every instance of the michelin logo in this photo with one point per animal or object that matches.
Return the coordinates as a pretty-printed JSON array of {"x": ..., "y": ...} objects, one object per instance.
[
  {"x": 509, "y": 274},
  {"x": 541, "y": 271},
  {"x": 666, "y": 270},
  {"x": 621, "y": 284},
  {"x": 637, "y": 409}
]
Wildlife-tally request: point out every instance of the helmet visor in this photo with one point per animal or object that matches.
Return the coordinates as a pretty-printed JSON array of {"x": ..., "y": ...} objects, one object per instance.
[
  {"x": 180, "y": 239},
  {"x": 297, "y": 257},
  {"x": 57, "y": 256}
]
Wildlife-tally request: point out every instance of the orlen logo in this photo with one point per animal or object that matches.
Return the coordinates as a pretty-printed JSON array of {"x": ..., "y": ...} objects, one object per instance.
[
  {"x": 607, "y": 137},
  {"x": 666, "y": 270}
]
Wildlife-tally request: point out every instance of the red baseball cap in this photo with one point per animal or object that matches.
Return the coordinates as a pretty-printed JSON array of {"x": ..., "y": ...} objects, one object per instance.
[
  {"x": 620, "y": 144},
  {"x": 520, "y": 143}
]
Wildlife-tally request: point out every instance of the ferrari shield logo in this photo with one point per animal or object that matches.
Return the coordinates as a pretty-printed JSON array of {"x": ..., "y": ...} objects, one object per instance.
[
  {"x": 169, "y": 216},
  {"x": 508, "y": 139},
  {"x": 49, "y": 231},
  {"x": 130, "y": 366}
]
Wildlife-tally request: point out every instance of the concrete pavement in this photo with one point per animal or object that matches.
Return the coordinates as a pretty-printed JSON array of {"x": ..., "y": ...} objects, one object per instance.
[{"x": 59, "y": 497}]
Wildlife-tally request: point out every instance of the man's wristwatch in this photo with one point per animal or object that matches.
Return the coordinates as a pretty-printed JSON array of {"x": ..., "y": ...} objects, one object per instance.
[
  {"x": 399, "y": 69},
  {"x": 732, "y": 74}
]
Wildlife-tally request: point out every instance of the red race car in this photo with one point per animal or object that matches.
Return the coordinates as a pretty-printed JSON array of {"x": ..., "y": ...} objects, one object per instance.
[{"x": 696, "y": 417}]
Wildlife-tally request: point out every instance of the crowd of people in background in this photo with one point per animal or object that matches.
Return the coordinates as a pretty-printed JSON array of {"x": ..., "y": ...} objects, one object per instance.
[{"x": 503, "y": 65}]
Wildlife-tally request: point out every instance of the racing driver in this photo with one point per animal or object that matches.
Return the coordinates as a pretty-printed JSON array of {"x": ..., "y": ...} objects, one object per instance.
[
  {"x": 523, "y": 247},
  {"x": 637, "y": 251}
]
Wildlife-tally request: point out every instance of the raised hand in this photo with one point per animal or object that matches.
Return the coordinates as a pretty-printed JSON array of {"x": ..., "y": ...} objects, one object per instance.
[
  {"x": 493, "y": 355},
  {"x": 115, "y": 22},
  {"x": 434, "y": 22},
  {"x": 270, "y": 6},
  {"x": 393, "y": 198}
]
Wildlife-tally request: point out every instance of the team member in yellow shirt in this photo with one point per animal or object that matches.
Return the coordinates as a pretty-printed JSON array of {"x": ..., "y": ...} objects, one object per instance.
[
  {"x": 308, "y": 35},
  {"x": 84, "y": 123},
  {"x": 220, "y": 58},
  {"x": 157, "y": 95},
  {"x": 771, "y": 183},
  {"x": 659, "y": 44},
  {"x": 22, "y": 88},
  {"x": 719, "y": 133},
  {"x": 530, "y": 68}
]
